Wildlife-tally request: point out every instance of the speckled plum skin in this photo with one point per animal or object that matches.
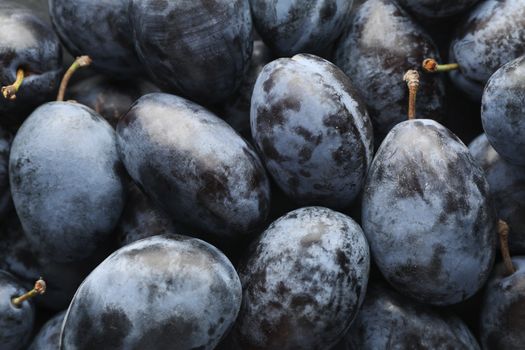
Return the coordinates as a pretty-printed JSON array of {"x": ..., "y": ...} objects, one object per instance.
[
  {"x": 387, "y": 320},
  {"x": 503, "y": 312},
  {"x": 16, "y": 323},
  {"x": 492, "y": 35},
  {"x": 303, "y": 282},
  {"x": 194, "y": 165},
  {"x": 189, "y": 295},
  {"x": 507, "y": 187},
  {"x": 302, "y": 26},
  {"x": 428, "y": 215},
  {"x": 100, "y": 29},
  {"x": 198, "y": 49},
  {"x": 436, "y": 9},
  {"x": 503, "y": 110},
  {"x": 29, "y": 42},
  {"x": 5, "y": 194},
  {"x": 382, "y": 43},
  {"x": 48, "y": 337},
  {"x": 66, "y": 180},
  {"x": 312, "y": 130}
]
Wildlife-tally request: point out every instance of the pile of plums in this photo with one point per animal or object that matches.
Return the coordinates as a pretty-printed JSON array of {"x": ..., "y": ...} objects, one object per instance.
[{"x": 262, "y": 174}]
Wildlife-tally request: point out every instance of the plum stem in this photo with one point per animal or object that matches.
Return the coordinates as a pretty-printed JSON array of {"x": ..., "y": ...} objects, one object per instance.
[
  {"x": 430, "y": 65},
  {"x": 82, "y": 61},
  {"x": 411, "y": 77},
  {"x": 39, "y": 288},
  {"x": 10, "y": 91},
  {"x": 503, "y": 231}
]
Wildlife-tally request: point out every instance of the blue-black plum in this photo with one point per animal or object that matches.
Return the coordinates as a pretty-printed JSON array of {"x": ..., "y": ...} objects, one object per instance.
[
  {"x": 303, "y": 282},
  {"x": 428, "y": 215},
  {"x": 5, "y": 194},
  {"x": 199, "y": 49},
  {"x": 303, "y": 26},
  {"x": 48, "y": 337},
  {"x": 28, "y": 43},
  {"x": 503, "y": 312},
  {"x": 507, "y": 187},
  {"x": 381, "y": 44},
  {"x": 162, "y": 292},
  {"x": 16, "y": 322},
  {"x": 100, "y": 29},
  {"x": 312, "y": 130},
  {"x": 491, "y": 35},
  {"x": 387, "y": 320},
  {"x": 503, "y": 110},
  {"x": 66, "y": 180},
  {"x": 194, "y": 165},
  {"x": 436, "y": 9}
]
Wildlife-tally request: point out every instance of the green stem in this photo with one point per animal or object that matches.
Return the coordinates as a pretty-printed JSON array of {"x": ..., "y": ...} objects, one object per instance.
[
  {"x": 10, "y": 91},
  {"x": 82, "y": 61}
]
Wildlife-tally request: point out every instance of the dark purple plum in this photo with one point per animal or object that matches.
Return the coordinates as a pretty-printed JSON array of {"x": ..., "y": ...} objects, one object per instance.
[
  {"x": 48, "y": 337},
  {"x": 303, "y": 282},
  {"x": 503, "y": 110},
  {"x": 16, "y": 322},
  {"x": 27, "y": 43},
  {"x": 387, "y": 320},
  {"x": 5, "y": 194},
  {"x": 436, "y": 9},
  {"x": 162, "y": 292},
  {"x": 382, "y": 43},
  {"x": 428, "y": 215},
  {"x": 507, "y": 187},
  {"x": 199, "y": 49},
  {"x": 100, "y": 29},
  {"x": 66, "y": 180},
  {"x": 109, "y": 98},
  {"x": 303, "y": 26},
  {"x": 312, "y": 130},
  {"x": 492, "y": 35},
  {"x": 194, "y": 165},
  {"x": 503, "y": 312}
]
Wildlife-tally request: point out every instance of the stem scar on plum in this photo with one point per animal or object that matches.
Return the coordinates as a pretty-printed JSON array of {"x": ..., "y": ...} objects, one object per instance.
[
  {"x": 430, "y": 65},
  {"x": 411, "y": 77},
  {"x": 503, "y": 232},
  {"x": 9, "y": 91},
  {"x": 38, "y": 289},
  {"x": 81, "y": 61}
]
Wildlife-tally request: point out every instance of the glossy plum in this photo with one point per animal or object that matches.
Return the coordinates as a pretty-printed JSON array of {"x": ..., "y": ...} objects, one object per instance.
[{"x": 436, "y": 9}]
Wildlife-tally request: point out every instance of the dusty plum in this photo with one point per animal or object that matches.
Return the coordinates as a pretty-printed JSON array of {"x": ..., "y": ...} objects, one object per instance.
[
  {"x": 428, "y": 215},
  {"x": 303, "y": 282},
  {"x": 312, "y": 130},
  {"x": 436, "y": 9},
  {"x": 49, "y": 335}
]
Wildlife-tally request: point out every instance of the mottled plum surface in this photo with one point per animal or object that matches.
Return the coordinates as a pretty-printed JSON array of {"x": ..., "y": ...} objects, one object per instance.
[
  {"x": 436, "y": 8},
  {"x": 503, "y": 110},
  {"x": 427, "y": 214},
  {"x": 66, "y": 180},
  {"x": 194, "y": 165},
  {"x": 382, "y": 43},
  {"x": 48, "y": 337},
  {"x": 162, "y": 292},
  {"x": 503, "y": 313},
  {"x": 312, "y": 129},
  {"x": 200, "y": 49},
  {"x": 303, "y": 282}
]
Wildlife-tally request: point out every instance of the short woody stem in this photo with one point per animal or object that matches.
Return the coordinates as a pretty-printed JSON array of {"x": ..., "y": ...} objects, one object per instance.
[
  {"x": 10, "y": 91},
  {"x": 39, "y": 288},
  {"x": 82, "y": 61},
  {"x": 411, "y": 77},
  {"x": 503, "y": 231},
  {"x": 430, "y": 65}
]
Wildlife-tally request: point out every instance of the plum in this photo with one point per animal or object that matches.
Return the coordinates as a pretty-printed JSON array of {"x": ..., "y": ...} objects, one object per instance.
[
  {"x": 162, "y": 292},
  {"x": 302, "y": 26},
  {"x": 303, "y": 282},
  {"x": 194, "y": 165},
  {"x": 312, "y": 129},
  {"x": 428, "y": 215},
  {"x": 5, "y": 194},
  {"x": 436, "y": 9},
  {"x": 382, "y": 43},
  {"x": 66, "y": 180},
  {"x": 49, "y": 335},
  {"x": 503, "y": 110},
  {"x": 199, "y": 49},
  {"x": 492, "y": 35}
]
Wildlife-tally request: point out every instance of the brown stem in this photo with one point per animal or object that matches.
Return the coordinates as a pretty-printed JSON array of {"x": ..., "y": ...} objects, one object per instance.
[
  {"x": 503, "y": 231},
  {"x": 430, "y": 65},
  {"x": 10, "y": 91},
  {"x": 82, "y": 61},
  {"x": 411, "y": 77},
  {"x": 39, "y": 288}
]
